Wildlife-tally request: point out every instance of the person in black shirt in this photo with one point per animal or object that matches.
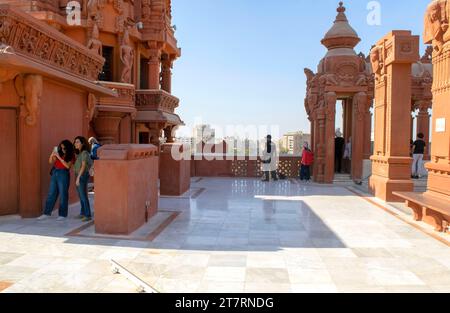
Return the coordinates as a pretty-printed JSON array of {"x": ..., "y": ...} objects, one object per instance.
[
  {"x": 339, "y": 147},
  {"x": 418, "y": 151}
]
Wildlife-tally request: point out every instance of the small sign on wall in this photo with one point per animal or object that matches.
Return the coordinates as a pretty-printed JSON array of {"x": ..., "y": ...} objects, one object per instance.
[{"x": 440, "y": 125}]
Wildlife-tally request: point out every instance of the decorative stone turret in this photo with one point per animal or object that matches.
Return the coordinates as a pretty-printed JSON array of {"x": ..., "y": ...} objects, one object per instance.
[{"x": 341, "y": 75}]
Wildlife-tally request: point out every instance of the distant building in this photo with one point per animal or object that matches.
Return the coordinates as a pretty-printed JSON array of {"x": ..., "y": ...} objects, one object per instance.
[
  {"x": 292, "y": 143},
  {"x": 205, "y": 133},
  {"x": 186, "y": 141}
]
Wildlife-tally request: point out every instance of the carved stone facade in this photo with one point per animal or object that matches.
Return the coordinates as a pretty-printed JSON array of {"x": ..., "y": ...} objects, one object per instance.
[{"x": 64, "y": 80}]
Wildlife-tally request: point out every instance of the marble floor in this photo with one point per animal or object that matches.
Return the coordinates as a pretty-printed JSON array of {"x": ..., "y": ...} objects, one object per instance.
[{"x": 236, "y": 235}]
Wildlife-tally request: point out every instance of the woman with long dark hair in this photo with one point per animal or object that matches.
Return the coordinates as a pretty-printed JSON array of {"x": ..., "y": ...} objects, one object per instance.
[
  {"x": 81, "y": 168},
  {"x": 62, "y": 159}
]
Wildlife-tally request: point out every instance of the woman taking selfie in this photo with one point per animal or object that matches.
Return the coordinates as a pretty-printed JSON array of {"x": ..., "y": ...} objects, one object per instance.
[{"x": 62, "y": 159}]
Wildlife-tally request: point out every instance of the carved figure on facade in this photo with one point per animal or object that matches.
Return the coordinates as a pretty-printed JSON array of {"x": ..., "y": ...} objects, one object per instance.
[
  {"x": 94, "y": 9},
  {"x": 126, "y": 56},
  {"x": 29, "y": 88},
  {"x": 310, "y": 77},
  {"x": 91, "y": 103},
  {"x": 377, "y": 62},
  {"x": 437, "y": 29},
  {"x": 94, "y": 44},
  {"x": 328, "y": 80}
]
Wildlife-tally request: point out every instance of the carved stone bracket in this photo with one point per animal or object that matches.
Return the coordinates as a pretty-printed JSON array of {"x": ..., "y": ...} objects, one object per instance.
[{"x": 29, "y": 88}]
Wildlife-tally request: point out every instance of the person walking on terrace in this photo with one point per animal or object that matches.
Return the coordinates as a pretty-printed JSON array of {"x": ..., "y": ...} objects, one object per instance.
[
  {"x": 61, "y": 159},
  {"x": 418, "y": 151},
  {"x": 307, "y": 161},
  {"x": 269, "y": 159},
  {"x": 81, "y": 169}
]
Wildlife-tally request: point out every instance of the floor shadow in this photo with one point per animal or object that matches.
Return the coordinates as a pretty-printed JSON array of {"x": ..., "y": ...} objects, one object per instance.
[{"x": 229, "y": 215}]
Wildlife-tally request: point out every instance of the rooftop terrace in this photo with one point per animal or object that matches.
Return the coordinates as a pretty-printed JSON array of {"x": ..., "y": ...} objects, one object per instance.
[{"x": 236, "y": 235}]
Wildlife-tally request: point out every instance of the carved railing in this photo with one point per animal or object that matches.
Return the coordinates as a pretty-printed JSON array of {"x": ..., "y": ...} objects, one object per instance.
[
  {"x": 125, "y": 95},
  {"x": 156, "y": 100},
  {"x": 43, "y": 44},
  {"x": 220, "y": 165}
]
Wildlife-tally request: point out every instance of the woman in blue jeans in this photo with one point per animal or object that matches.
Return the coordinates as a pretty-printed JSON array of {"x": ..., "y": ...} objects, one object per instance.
[
  {"x": 62, "y": 159},
  {"x": 81, "y": 168}
]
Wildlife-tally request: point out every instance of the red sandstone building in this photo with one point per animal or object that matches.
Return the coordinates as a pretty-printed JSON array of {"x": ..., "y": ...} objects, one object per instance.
[{"x": 108, "y": 77}]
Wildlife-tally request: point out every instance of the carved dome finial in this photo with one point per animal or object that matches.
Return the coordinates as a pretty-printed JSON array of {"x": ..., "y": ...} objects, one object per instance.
[
  {"x": 341, "y": 17},
  {"x": 341, "y": 35}
]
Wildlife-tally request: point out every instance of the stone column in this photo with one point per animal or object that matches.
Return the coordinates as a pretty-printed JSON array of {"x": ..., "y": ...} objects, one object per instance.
[
  {"x": 391, "y": 59},
  {"x": 439, "y": 167},
  {"x": 330, "y": 131},
  {"x": 423, "y": 125},
  {"x": 30, "y": 89},
  {"x": 166, "y": 73},
  {"x": 348, "y": 119},
  {"x": 319, "y": 162},
  {"x": 168, "y": 134},
  {"x": 359, "y": 114},
  {"x": 154, "y": 67}
]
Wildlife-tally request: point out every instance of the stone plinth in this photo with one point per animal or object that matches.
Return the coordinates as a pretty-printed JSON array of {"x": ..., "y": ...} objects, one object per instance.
[
  {"x": 126, "y": 191},
  {"x": 391, "y": 60},
  {"x": 175, "y": 169}
]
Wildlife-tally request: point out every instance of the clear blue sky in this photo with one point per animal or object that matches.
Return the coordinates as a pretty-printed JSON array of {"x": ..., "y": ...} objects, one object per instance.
[{"x": 242, "y": 60}]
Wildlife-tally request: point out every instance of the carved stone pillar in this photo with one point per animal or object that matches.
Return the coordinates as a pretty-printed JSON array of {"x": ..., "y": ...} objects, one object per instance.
[
  {"x": 423, "y": 125},
  {"x": 437, "y": 34},
  {"x": 391, "y": 164},
  {"x": 154, "y": 66},
  {"x": 359, "y": 114},
  {"x": 319, "y": 162},
  {"x": 168, "y": 134},
  {"x": 29, "y": 87},
  {"x": 155, "y": 133},
  {"x": 347, "y": 118},
  {"x": 166, "y": 73},
  {"x": 330, "y": 113}
]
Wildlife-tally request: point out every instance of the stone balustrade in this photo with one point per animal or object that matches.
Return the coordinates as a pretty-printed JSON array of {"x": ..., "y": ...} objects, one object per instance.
[
  {"x": 125, "y": 95},
  {"x": 222, "y": 165},
  {"x": 156, "y": 100}
]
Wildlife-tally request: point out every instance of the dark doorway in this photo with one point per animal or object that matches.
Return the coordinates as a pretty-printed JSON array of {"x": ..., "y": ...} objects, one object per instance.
[
  {"x": 144, "y": 138},
  {"x": 144, "y": 73},
  {"x": 107, "y": 73}
]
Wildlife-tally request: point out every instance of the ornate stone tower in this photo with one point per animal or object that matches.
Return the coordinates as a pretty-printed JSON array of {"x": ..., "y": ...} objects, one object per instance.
[{"x": 341, "y": 75}]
